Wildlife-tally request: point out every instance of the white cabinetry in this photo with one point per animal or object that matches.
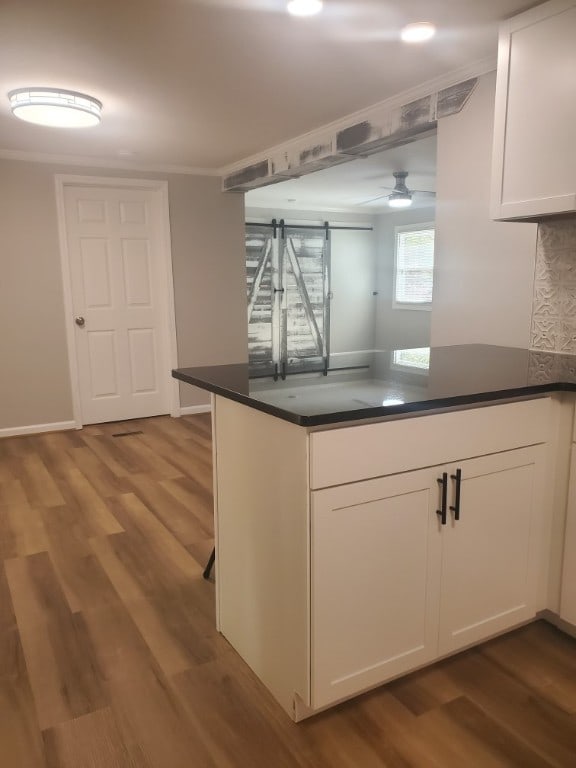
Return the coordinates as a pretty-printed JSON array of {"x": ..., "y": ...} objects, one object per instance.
[
  {"x": 375, "y": 578},
  {"x": 534, "y": 163},
  {"x": 393, "y": 587},
  {"x": 335, "y": 571},
  {"x": 568, "y": 598},
  {"x": 492, "y": 554}
]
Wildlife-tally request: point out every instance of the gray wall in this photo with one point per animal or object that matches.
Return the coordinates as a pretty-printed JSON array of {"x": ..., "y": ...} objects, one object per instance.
[
  {"x": 398, "y": 328},
  {"x": 209, "y": 279},
  {"x": 484, "y": 269}
]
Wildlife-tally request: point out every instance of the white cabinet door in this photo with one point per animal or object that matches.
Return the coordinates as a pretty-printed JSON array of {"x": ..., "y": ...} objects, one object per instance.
[
  {"x": 534, "y": 166},
  {"x": 568, "y": 599},
  {"x": 375, "y": 575},
  {"x": 491, "y": 555}
]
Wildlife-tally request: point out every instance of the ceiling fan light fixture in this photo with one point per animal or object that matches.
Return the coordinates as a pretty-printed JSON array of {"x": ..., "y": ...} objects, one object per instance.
[
  {"x": 55, "y": 107},
  {"x": 419, "y": 32},
  {"x": 400, "y": 200},
  {"x": 304, "y": 7}
]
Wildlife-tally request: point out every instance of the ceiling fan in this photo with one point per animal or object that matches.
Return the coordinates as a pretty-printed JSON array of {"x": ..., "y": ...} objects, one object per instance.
[{"x": 400, "y": 196}]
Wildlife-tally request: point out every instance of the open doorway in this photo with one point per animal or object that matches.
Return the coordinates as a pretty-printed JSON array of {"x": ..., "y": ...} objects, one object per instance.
[{"x": 334, "y": 271}]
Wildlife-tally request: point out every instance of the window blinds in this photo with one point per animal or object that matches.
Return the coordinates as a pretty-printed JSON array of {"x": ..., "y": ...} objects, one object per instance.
[{"x": 414, "y": 266}]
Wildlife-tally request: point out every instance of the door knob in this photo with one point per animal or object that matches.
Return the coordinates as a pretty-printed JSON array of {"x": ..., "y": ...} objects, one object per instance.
[{"x": 80, "y": 321}]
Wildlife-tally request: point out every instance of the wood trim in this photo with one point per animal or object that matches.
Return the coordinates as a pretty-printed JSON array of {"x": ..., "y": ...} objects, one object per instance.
[
  {"x": 169, "y": 306},
  {"x": 96, "y": 162},
  {"x": 60, "y": 182},
  {"x": 34, "y": 429},
  {"x": 189, "y": 410},
  {"x": 555, "y": 620}
]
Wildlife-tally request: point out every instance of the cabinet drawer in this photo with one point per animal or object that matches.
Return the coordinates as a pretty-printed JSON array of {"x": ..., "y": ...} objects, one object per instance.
[{"x": 350, "y": 454}]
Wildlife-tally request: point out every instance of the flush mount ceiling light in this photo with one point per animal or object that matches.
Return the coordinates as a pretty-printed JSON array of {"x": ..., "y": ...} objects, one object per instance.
[
  {"x": 418, "y": 32},
  {"x": 55, "y": 107},
  {"x": 304, "y": 7}
]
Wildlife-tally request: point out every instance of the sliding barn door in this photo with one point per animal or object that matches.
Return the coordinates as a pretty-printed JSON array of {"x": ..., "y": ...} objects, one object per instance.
[
  {"x": 259, "y": 272},
  {"x": 305, "y": 312},
  {"x": 288, "y": 298}
]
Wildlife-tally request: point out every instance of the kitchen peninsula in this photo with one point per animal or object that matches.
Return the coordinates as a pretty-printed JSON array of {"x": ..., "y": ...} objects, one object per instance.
[{"x": 371, "y": 521}]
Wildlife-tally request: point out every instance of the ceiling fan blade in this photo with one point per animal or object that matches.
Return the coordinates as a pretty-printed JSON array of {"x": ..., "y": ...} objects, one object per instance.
[
  {"x": 373, "y": 199},
  {"x": 423, "y": 192}
]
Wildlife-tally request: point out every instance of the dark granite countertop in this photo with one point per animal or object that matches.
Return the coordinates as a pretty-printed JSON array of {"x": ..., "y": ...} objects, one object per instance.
[{"x": 393, "y": 382}]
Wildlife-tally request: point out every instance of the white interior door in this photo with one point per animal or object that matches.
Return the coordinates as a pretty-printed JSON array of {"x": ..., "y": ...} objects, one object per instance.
[{"x": 119, "y": 299}]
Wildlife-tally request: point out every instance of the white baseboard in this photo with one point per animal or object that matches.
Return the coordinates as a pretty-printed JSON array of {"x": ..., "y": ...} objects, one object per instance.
[
  {"x": 33, "y": 429},
  {"x": 188, "y": 410}
]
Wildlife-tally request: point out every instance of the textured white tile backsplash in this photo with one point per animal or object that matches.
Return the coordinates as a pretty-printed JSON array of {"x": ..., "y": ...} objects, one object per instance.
[{"x": 554, "y": 306}]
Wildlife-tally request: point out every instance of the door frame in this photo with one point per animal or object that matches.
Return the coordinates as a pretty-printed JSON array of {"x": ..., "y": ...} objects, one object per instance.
[{"x": 160, "y": 188}]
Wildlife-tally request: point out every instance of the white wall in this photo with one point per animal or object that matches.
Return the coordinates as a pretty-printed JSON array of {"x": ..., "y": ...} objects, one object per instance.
[
  {"x": 484, "y": 269},
  {"x": 209, "y": 282},
  {"x": 353, "y": 285},
  {"x": 398, "y": 328}
]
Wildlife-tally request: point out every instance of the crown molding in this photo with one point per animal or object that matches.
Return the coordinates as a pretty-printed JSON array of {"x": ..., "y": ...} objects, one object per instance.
[
  {"x": 98, "y": 162},
  {"x": 253, "y": 210}
]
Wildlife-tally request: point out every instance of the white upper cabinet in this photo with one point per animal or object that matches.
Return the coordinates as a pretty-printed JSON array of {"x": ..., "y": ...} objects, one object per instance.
[{"x": 534, "y": 161}]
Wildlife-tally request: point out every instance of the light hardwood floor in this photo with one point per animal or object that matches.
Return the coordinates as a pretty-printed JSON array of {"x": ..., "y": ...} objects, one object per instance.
[{"x": 109, "y": 656}]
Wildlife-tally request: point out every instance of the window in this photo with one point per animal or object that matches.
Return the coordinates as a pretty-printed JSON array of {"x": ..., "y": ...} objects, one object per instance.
[
  {"x": 414, "y": 266},
  {"x": 417, "y": 359}
]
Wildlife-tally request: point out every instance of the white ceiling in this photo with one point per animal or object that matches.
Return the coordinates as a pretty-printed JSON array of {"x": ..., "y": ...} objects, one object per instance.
[
  {"x": 353, "y": 185},
  {"x": 204, "y": 83}
]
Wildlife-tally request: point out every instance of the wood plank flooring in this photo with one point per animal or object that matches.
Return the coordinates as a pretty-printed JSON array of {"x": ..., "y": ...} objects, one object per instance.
[{"x": 109, "y": 657}]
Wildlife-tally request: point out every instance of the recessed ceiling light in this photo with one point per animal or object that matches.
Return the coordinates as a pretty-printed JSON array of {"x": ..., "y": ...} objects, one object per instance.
[
  {"x": 55, "y": 107},
  {"x": 418, "y": 32},
  {"x": 304, "y": 7}
]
